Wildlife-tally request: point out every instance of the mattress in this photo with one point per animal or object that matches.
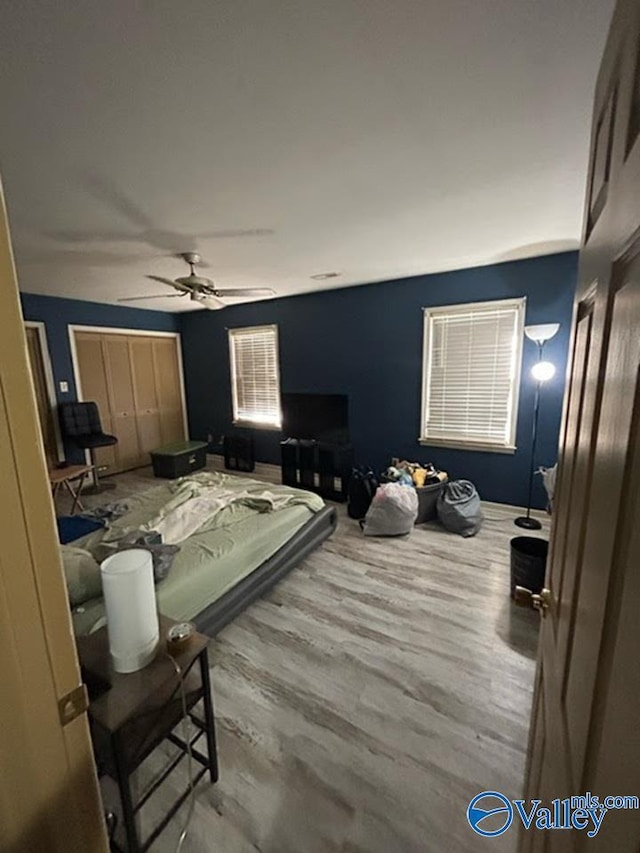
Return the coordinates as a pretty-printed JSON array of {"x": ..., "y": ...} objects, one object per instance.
[{"x": 211, "y": 562}]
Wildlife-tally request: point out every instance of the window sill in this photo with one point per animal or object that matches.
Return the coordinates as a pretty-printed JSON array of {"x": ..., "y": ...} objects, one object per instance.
[
  {"x": 256, "y": 425},
  {"x": 467, "y": 445}
]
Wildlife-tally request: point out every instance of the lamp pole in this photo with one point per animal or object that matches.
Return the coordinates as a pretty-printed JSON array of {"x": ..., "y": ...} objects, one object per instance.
[
  {"x": 541, "y": 371},
  {"x": 525, "y": 520}
]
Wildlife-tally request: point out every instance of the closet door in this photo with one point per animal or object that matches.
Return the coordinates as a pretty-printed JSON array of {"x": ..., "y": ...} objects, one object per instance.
[
  {"x": 146, "y": 393},
  {"x": 167, "y": 382},
  {"x": 94, "y": 387},
  {"x": 135, "y": 380},
  {"x": 120, "y": 384},
  {"x": 45, "y": 412}
]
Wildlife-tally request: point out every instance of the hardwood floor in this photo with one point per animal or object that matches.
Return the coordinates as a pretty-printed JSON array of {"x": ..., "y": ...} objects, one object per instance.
[{"x": 366, "y": 699}]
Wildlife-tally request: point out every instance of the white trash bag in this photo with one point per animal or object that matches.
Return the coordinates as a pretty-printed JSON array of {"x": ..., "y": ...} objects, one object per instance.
[{"x": 393, "y": 511}]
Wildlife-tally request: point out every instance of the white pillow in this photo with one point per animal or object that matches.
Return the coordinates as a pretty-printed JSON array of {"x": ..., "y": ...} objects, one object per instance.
[{"x": 82, "y": 573}]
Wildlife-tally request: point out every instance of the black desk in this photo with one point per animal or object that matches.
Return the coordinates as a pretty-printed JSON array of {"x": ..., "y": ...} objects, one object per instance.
[{"x": 131, "y": 714}]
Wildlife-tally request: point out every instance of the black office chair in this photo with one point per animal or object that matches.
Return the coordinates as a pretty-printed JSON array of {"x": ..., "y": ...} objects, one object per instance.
[{"x": 80, "y": 423}]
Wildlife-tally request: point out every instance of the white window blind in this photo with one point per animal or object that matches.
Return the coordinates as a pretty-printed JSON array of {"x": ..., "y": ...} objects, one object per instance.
[
  {"x": 472, "y": 357},
  {"x": 255, "y": 376}
]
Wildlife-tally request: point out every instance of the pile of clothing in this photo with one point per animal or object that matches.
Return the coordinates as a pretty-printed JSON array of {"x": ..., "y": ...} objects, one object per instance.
[
  {"x": 413, "y": 473},
  {"x": 393, "y": 507}
]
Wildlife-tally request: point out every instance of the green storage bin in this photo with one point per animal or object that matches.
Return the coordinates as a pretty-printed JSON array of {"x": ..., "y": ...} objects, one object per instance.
[{"x": 178, "y": 459}]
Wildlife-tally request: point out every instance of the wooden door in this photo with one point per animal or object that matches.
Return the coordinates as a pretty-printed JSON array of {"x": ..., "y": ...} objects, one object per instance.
[
  {"x": 49, "y": 797},
  {"x": 46, "y": 413},
  {"x": 584, "y": 732},
  {"x": 145, "y": 392},
  {"x": 123, "y": 406},
  {"x": 169, "y": 389},
  {"x": 93, "y": 382}
]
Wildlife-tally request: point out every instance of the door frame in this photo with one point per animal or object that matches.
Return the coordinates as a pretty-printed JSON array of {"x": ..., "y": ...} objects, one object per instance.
[
  {"x": 49, "y": 381},
  {"x": 72, "y": 328},
  {"x": 50, "y": 797}
]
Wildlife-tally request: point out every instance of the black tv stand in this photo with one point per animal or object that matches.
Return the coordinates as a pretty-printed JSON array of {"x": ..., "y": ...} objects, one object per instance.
[{"x": 318, "y": 466}]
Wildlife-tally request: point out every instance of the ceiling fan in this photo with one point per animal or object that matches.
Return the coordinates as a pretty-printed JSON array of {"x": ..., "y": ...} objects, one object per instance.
[{"x": 198, "y": 288}]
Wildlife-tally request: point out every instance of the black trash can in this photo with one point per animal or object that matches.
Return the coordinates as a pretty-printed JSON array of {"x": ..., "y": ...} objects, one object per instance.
[{"x": 528, "y": 563}]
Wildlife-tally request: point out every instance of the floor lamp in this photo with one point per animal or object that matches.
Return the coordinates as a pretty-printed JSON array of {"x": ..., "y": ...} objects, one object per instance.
[{"x": 541, "y": 371}]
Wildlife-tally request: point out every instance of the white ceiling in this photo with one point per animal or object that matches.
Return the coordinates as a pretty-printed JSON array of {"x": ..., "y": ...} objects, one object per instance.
[{"x": 378, "y": 138}]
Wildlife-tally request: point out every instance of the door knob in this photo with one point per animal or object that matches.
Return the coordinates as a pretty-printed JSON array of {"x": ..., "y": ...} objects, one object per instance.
[{"x": 539, "y": 601}]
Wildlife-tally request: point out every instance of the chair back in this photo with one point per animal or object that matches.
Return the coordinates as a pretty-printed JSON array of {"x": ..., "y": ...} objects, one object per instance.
[{"x": 80, "y": 419}]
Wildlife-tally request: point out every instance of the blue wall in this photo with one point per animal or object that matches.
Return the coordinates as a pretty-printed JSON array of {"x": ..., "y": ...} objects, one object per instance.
[
  {"x": 57, "y": 314},
  {"x": 366, "y": 342}
]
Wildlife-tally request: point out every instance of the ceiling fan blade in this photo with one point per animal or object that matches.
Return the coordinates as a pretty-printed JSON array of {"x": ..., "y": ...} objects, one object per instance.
[
  {"x": 163, "y": 280},
  {"x": 157, "y": 296},
  {"x": 245, "y": 291}
]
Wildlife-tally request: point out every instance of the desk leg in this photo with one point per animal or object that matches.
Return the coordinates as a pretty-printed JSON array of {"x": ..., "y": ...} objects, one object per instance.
[
  {"x": 124, "y": 788},
  {"x": 209, "y": 716}
]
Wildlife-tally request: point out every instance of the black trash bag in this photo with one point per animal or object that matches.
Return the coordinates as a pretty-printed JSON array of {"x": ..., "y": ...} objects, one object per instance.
[
  {"x": 459, "y": 508},
  {"x": 362, "y": 487}
]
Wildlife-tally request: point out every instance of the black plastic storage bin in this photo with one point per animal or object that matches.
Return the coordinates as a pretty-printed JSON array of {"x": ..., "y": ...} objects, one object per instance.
[
  {"x": 178, "y": 459},
  {"x": 528, "y": 563},
  {"x": 238, "y": 453}
]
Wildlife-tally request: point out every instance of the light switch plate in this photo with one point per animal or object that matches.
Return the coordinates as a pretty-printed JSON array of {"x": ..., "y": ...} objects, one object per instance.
[{"x": 64, "y": 387}]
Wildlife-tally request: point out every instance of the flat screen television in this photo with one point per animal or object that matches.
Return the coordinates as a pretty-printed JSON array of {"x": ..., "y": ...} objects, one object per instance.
[{"x": 324, "y": 417}]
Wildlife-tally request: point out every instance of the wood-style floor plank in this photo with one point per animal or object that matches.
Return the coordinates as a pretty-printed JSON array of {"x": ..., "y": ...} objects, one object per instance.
[{"x": 366, "y": 699}]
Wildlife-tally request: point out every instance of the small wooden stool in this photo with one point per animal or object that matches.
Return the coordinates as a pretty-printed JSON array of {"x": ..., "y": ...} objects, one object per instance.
[{"x": 64, "y": 477}]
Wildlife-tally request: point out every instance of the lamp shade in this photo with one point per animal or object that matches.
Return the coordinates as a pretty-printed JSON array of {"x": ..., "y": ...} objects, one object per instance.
[
  {"x": 130, "y": 602},
  {"x": 542, "y": 332}
]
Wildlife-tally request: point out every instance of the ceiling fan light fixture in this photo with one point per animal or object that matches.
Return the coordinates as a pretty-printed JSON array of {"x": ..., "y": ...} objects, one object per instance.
[
  {"x": 190, "y": 280},
  {"x": 207, "y": 301}
]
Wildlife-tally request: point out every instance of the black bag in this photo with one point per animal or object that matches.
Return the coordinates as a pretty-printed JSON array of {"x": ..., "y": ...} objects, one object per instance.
[{"x": 362, "y": 488}]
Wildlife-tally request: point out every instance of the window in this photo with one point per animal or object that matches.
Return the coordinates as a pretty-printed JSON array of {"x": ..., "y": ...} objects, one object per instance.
[
  {"x": 471, "y": 374},
  {"x": 255, "y": 376}
]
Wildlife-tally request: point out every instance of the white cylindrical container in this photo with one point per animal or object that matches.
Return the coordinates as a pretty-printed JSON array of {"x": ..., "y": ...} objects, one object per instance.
[{"x": 130, "y": 602}]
